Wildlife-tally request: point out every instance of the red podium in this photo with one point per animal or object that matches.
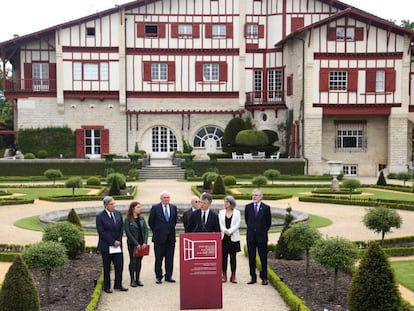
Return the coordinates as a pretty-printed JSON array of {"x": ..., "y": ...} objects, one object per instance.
[{"x": 200, "y": 271}]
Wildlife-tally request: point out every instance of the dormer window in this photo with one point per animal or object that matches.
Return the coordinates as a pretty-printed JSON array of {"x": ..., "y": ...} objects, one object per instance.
[
  {"x": 345, "y": 34},
  {"x": 90, "y": 31}
]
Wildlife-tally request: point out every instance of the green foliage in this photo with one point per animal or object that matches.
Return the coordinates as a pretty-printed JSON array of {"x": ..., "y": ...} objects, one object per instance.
[
  {"x": 114, "y": 189},
  {"x": 55, "y": 140},
  {"x": 351, "y": 184},
  {"x": 373, "y": 285},
  {"x": 134, "y": 157},
  {"x": 404, "y": 176},
  {"x": 208, "y": 179},
  {"x": 29, "y": 156},
  {"x": 134, "y": 173},
  {"x": 52, "y": 174},
  {"x": 218, "y": 187},
  {"x": 271, "y": 174},
  {"x": 6, "y": 116},
  {"x": 120, "y": 177},
  {"x": 18, "y": 292},
  {"x": 74, "y": 182},
  {"x": 301, "y": 237},
  {"x": 42, "y": 154},
  {"x": 230, "y": 180},
  {"x": 69, "y": 234},
  {"x": 259, "y": 181},
  {"x": 74, "y": 218},
  {"x": 187, "y": 148},
  {"x": 251, "y": 138},
  {"x": 234, "y": 126},
  {"x": 381, "y": 179},
  {"x": 189, "y": 172},
  {"x": 272, "y": 136},
  {"x": 381, "y": 219},
  {"x": 281, "y": 249},
  {"x": 336, "y": 253},
  {"x": 136, "y": 149},
  {"x": 46, "y": 257},
  {"x": 93, "y": 181}
]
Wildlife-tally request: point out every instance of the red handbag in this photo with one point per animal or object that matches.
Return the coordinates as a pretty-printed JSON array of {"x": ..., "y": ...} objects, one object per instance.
[{"x": 141, "y": 250}]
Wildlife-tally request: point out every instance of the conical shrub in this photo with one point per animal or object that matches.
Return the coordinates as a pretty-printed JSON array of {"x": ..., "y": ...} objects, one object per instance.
[{"x": 219, "y": 187}]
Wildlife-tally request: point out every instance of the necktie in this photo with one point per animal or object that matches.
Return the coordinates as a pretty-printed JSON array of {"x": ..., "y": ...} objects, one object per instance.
[
  {"x": 113, "y": 218},
  {"x": 166, "y": 213},
  {"x": 256, "y": 210},
  {"x": 204, "y": 217}
]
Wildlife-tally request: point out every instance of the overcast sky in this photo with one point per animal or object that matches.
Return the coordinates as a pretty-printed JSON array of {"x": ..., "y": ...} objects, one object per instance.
[{"x": 23, "y": 17}]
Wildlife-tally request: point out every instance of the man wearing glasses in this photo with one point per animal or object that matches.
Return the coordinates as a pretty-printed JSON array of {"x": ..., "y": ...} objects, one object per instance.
[{"x": 195, "y": 205}]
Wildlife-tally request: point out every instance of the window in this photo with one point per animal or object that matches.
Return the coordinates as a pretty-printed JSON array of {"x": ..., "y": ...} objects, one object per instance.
[
  {"x": 159, "y": 72},
  {"x": 345, "y": 33},
  {"x": 258, "y": 87},
  {"x": 275, "y": 85},
  {"x": 92, "y": 143},
  {"x": 252, "y": 31},
  {"x": 151, "y": 30},
  {"x": 219, "y": 31},
  {"x": 338, "y": 80},
  {"x": 208, "y": 133},
  {"x": 211, "y": 72},
  {"x": 90, "y": 31},
  {"x": 185, "y": 30},
  {"x": 90, "y": 71},
  {"x": 380, "y": 80},
  {"x": 350, "y": 169},
  {"x": 40, "y": 76},
  {"x": 350, "y": 136}
]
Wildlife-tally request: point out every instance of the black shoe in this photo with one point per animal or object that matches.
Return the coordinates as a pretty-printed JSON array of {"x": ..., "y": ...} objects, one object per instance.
[
  {"x": 108, "y": 291},
  {"x": 265, "y": 282},
  {"x": 138, "y": 283},
  {"x": 251, "y": 281},
  {"x": 122, "y": 289},
  {"x": 158, "y": 281},
  {"x": 170, "y": 280},
  {"x": 133, "y": 284}
]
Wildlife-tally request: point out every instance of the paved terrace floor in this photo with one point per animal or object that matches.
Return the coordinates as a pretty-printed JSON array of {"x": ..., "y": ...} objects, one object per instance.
[{"x": 346, "y": 223}]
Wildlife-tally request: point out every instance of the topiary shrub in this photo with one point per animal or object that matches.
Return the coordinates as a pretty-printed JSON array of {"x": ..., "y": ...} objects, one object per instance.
[
  {"x": 218, "y": 187},
  {"x": 230, "y": 180},
  {"x": 52, "y": 174},
  {"x": 114, "y": 190},
  {"x": 120, "y": 177},
  {"x": 381, "y": 179},
  {"x": 373, "y": 285},
  {"x": 93, "y": 181},
  {"x": 251, "y": 138},
  {"x": 29, "y": 156},
  {"x": 133, "y": 173},
  {"x": 234, "y": 126},
  {"x": 68, "y": 234},
  {"x": 74, "y": 218},
  {"x": 189, "y": 172},
  {"x": 42, "y": 154},
  {"x": 74, "y": 182},
  {"x": 281, "y": 249},
  {"x": 271, "y": 174},
  {"x": 259, "y": 181},
  {"x": 272, "y": 136},
  {"x": 208, "y": 179},
  {"x": 18, "y": 292}
]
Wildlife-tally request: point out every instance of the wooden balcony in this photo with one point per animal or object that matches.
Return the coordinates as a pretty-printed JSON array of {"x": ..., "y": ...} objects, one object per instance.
[
  {"x": 24, "y": 86},
  {"x": 273, "y": 100}
]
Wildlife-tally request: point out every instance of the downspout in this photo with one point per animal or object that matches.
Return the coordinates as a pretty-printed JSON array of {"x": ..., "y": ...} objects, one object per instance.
[{"x": 302, "y": 109}]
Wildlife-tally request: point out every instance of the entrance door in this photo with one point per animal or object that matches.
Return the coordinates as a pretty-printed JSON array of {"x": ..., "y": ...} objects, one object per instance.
[
  {"x": 40, "y": 72},
  {"x": 164, "y": 142}
]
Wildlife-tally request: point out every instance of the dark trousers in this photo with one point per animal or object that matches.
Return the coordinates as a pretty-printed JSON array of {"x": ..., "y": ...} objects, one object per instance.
[
  {"x": 118, "y": 262},
  {"x": 262, "y": 250},
  {"x": 164, "y": 252},
  {"x": 232, "y": 255},
  {"x": 134, "y": 264}
]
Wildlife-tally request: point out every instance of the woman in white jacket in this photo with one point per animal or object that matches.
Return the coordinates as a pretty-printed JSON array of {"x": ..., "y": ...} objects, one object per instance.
[{"x": 229, "y": 219}]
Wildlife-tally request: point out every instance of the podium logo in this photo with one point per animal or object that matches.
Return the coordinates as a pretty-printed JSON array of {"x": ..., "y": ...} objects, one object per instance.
[{"x": 199, "y": 249}]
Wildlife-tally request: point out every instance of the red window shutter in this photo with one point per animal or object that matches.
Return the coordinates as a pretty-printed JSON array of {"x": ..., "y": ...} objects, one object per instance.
[
  {"x": 289, "y": 85},
  {"x": 140, "y": 30},
  {"x": 28, "y": 76},
  {"x": 199, "y": 71},
  {"x": 104, "y": 141},
  {"x": 223, "y": 71},
  {"x": 52, "y": 76},
  {"x": 196, "y": 31},
  {"x": 324, "y": 80},
  {"x": 359, "y": 34},
  {"x": 390, "y": 80},
  {"x": 80, "y": 143},
  {"x": 296, "y": 23},
  {"x": 331, "y": 34},
  {"x": 174, "y": 30},
  {"x": 261, "y": 31},
  {"x": 171, "y": 71},
  {"x": 147, "y": 71},
  {"x": 161, "y": 30},
  {"x": 209, "y": 30},
  {"x": 370, "y": 80},
  {"x": 352, "y": 80},
  {"x": 229, "y": 30}
]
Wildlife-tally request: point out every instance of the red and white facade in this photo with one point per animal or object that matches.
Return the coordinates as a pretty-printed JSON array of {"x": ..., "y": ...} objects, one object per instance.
[{"x": 332, "y": 80}]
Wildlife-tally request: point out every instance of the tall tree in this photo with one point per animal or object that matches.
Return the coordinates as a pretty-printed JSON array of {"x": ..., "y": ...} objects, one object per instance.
[{"x": 406, "y": 23}]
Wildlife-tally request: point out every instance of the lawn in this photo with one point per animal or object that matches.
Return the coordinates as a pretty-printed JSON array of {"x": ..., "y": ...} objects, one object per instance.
[
  {"x": 35, "y": 193},
  {"x": 404, "y": 272}
]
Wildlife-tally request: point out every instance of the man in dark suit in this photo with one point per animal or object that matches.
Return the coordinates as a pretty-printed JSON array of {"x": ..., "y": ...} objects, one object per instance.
[
  {"x": 258, "y": 220},
  {"x": 204, "y": 219},
  {"x": 109, "y": 225},
  {"x": 195, "y": 205},
  {"x": 162, "y": 221}
]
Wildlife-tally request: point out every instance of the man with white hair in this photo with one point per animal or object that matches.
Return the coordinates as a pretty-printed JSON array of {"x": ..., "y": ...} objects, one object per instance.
[{"x": 195, "y": 205}]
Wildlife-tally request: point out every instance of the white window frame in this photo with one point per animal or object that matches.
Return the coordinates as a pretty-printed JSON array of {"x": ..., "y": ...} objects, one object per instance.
[
  {"x": 93, "y": 143},
  {"x": 185, "y": 30},
  {"x": 350, "y": 169},
  {"x": 206, "y": 133},
  {"x": 252, "y": 31},
  {"x": 275, "y": 83},
  {"x": 350, "y": 137},
  {"x": 380, "y": 81},
  {"x": 338, "y": 80},
  {"x": 219, "y": 31},
  {"x": 40, "y": 76},
  {"x": 90, "y": 71},
  {"x": 211, "y": 72},
  {"x": 345, "y": 33},
  {"x": 258, "y": 84},
  {"x": 159, "y": 72}
]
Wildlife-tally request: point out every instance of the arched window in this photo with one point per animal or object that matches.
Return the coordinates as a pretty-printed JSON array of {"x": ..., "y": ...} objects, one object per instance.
[{"x": 208, "y": 133}]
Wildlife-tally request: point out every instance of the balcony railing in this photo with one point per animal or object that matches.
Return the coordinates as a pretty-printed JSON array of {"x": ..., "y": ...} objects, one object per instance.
[
  {"x": 265, "y": 98},
  {"x": 30, "y": 85}
]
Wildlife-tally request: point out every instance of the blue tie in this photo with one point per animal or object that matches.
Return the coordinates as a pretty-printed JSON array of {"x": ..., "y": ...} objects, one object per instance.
[{"x": 166, "y": 214}]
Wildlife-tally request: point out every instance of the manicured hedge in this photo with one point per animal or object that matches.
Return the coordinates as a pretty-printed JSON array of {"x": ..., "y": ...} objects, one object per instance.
[{"x": 244, "y": 196}]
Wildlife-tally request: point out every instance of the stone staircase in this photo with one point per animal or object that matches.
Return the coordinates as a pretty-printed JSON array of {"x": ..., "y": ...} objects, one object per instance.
[{"x": 161, "y": 172}]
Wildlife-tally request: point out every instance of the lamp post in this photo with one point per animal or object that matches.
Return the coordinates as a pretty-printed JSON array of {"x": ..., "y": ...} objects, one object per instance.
[{"x": 335, "y": 168}]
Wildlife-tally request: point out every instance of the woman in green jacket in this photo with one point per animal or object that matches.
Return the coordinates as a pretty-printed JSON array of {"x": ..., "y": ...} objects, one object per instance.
[{"x": 136, "y": 230}]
